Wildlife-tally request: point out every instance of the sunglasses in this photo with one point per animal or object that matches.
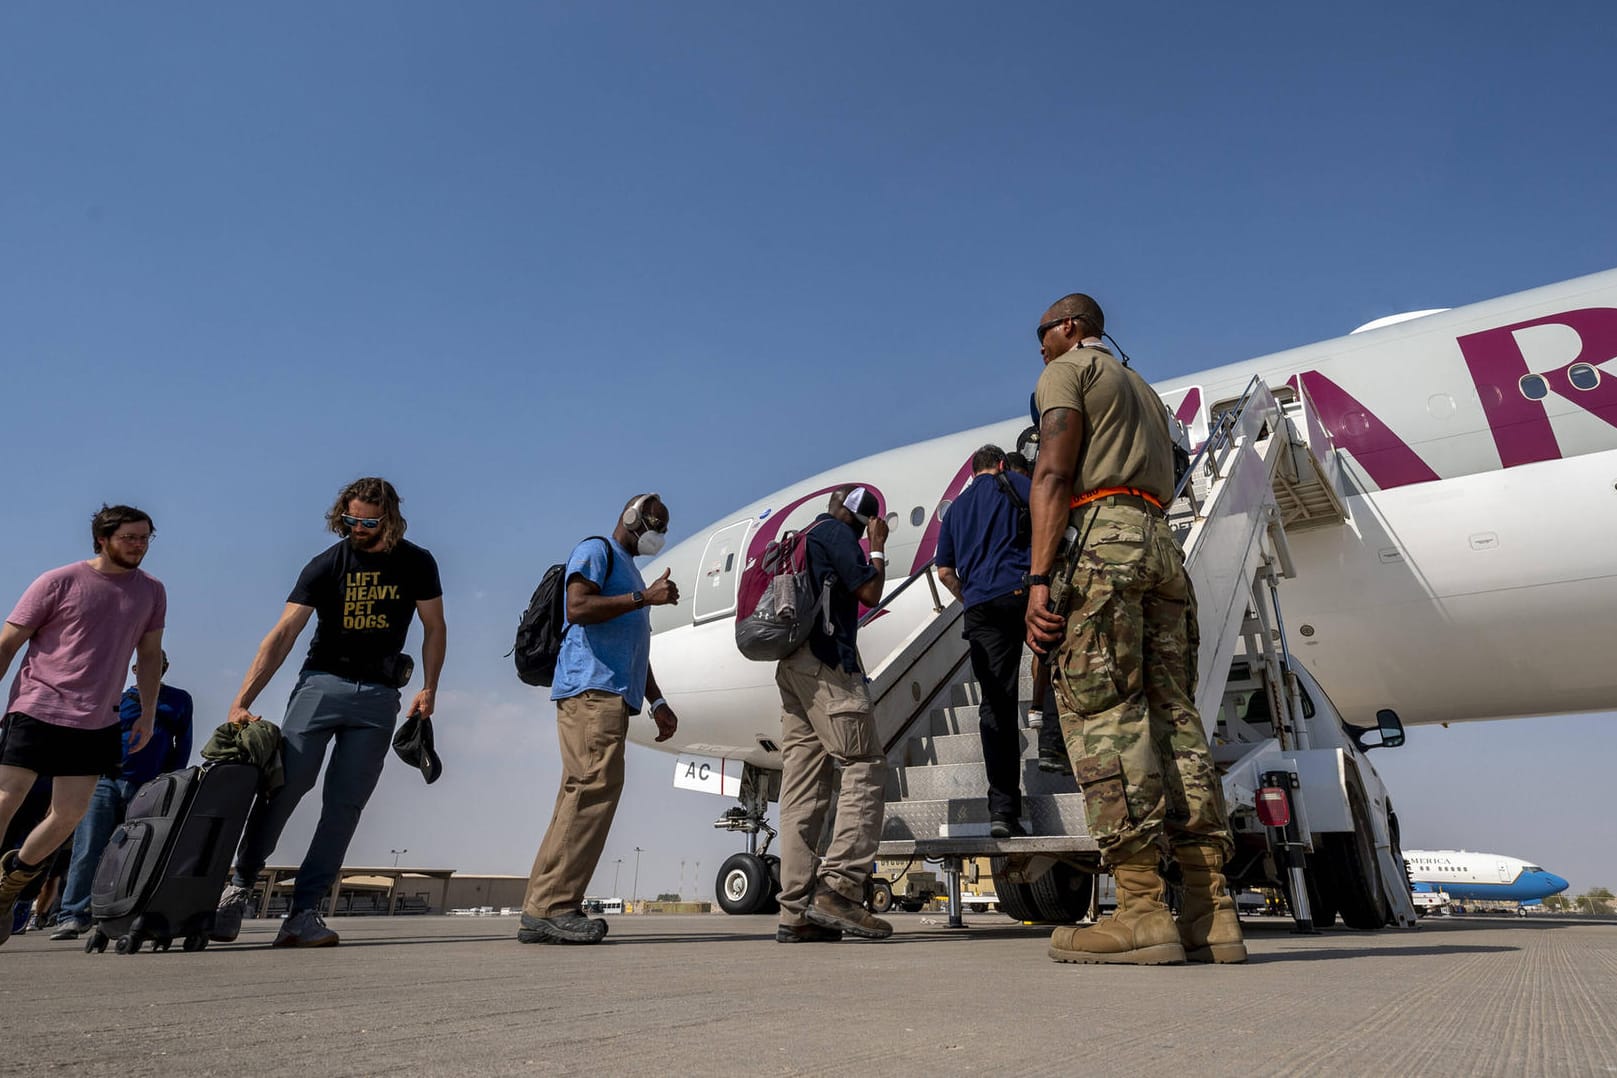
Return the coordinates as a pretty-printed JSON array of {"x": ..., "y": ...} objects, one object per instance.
[
  {"x": 361, "y": 522},
  {"x": 1046, "y": 327}
]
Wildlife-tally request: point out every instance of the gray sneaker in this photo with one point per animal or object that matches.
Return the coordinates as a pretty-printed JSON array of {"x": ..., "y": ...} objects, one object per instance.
[
  {"x": 227, "y": 918},
  {"x": 70, "y": 929},
  {"x": 305, "y": 928}
]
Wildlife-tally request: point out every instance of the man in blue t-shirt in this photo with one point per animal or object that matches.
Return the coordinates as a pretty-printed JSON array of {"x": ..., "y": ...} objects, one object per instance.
[
  {"x": 168, "y": 749},
  {"x": 982, "y": 557},
  {"x": 603, "y": 676},
  {"x": 826, "y": 716}
]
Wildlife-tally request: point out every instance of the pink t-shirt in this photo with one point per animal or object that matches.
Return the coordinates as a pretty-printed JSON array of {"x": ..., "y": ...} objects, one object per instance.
[{"x": 86, "y": 624}]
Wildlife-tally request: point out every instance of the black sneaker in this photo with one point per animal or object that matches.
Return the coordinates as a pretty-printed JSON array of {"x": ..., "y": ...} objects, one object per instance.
[
  {"x": 807, "y": 933},
  {"x": 1054, "y": 762},
  {"x": 1005, "y": 827},
  {"x": 571, "y": 927}
]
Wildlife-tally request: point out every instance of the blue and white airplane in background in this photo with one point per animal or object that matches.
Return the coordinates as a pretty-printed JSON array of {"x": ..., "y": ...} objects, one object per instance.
[{"x": 1478, "y": 877}]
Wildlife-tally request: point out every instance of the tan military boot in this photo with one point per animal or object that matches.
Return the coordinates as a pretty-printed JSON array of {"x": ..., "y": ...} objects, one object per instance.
[
  {"x": 1208, "y": 926},
  {"x": 12, "y": 881},
  {"x": 1140, "y": 933}
]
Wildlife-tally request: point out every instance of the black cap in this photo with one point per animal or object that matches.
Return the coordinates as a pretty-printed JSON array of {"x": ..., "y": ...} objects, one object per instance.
[
  {"x": 861, "y": 502},
  {"x": 413, "y": 743}
]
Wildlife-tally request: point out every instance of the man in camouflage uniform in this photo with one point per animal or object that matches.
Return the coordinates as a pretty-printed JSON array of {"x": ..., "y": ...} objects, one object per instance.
[{"x": 1125, "y": 651}]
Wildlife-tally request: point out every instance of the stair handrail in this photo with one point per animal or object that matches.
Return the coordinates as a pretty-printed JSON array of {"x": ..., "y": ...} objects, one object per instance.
[
  {"x": 1218, "y": 440},
  {"x": 931, "y": 581}
]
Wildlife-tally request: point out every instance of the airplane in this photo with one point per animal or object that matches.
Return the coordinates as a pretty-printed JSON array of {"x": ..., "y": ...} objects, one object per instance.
[
  {"x": 1479, "y": 447},
  {"x": 1485, "y": 877}
]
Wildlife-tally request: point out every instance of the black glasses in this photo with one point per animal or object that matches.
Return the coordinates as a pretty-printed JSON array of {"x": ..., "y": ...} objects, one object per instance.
[
  {"x": 362, "y": 522},
  {"x": 1046, "y": 327}
]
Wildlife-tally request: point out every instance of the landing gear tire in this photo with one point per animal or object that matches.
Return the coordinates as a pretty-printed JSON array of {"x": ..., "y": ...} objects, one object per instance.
[
  {"x": 1349, "y": 878},
  {"x": 772, "y": 903},
  {"x": 744, "y": 885},
  {"x": 881, "y": 897}
]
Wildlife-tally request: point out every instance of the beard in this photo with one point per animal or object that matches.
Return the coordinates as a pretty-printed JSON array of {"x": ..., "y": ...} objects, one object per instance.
[
  {"x": 117, "y": 557},
  {"x": 367, "y": 541}
]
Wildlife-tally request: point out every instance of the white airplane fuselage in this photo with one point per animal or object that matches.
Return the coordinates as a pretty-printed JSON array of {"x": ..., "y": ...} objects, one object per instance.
[
  {"x": 1484, "y": 876},
  {"x": 1471, "y": 579}
]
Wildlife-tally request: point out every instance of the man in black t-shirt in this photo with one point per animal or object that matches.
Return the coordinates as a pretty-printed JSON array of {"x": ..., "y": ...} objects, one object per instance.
[
  {"x": 826, "y": 716},
  {"x": 363, "y": 591}
]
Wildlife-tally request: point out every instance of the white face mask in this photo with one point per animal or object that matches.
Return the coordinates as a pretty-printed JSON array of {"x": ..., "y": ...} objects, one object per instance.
[{"x": 649, "y": 543}]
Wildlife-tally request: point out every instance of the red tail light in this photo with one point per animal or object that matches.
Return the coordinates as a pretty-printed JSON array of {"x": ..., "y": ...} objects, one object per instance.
[{"x": 1274, "y": 807}]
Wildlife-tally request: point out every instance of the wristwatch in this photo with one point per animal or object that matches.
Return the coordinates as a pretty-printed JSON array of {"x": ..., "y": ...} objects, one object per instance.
[
  {"x": 1033, "y": 580},
  {"x": 638, "y": 598}
]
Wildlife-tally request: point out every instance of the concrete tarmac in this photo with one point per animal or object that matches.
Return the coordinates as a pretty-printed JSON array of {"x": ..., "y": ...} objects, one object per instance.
[{"x": 707, "y": 994}]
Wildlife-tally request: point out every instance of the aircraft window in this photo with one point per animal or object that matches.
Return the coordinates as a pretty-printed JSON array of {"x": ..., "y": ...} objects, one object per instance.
[
  {"x": 1534, "y": 387},
  {"x": 943, "y": 507},
  {"x": 918, "y": 515},
  {"x": 729, "y": 562},
  {"x": 1584, "y": 376},
  {"x": 1532, "y": 868}
]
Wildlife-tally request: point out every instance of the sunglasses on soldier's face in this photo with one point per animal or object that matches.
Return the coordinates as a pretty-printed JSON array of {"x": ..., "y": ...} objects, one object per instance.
[{"x": 361, "y": 522}]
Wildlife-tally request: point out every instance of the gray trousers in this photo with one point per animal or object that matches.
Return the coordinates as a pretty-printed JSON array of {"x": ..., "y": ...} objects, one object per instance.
[
  {"x": 826, "y": 719},
  {"x": 356, "y": 719}
]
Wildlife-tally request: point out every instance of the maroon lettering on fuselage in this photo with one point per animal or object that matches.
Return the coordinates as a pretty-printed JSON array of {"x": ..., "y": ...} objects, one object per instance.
[
  {"x": 1521, "y": 427},
  {"x": 1385, "y": 457}
]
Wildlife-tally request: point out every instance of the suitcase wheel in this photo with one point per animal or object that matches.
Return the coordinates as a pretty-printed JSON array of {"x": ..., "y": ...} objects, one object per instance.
[
  {"x": 162, "y": 944},
  {"x": 97, "y": 942},
  {"x": 129, "y": 944},
  {"x": 197, "y": 941}
]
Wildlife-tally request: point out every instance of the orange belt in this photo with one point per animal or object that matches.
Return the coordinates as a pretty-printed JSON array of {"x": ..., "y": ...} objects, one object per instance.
[{"x": 1107, "y": 492}]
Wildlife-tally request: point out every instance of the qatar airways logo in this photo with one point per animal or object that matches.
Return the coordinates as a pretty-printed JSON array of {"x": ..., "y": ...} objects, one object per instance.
[{"x": 1512, "y": 394}]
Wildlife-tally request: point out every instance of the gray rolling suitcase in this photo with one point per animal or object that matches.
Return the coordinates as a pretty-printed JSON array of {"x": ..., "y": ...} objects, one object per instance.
[{"x": 160, "y": 876}]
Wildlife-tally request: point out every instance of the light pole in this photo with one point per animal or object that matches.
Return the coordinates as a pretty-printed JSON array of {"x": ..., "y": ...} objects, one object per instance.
[
  {"x": 682, "y": 879},
  {"x": 396, "y": 854},
  {"x": 616, "y": 866},
  {"x": 635, "y": 898},
  {"x": 696, "y": 882}
]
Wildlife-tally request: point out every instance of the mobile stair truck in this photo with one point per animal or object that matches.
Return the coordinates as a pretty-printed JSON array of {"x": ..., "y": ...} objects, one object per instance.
[{"x": 1309, "y": 815}]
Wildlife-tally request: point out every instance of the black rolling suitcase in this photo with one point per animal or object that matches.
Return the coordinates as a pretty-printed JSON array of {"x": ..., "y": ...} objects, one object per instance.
[{"x": 164, "y": 867}]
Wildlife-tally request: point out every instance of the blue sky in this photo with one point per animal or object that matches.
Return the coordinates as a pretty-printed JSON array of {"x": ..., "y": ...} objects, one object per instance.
[{"x": 527, "y": 259}]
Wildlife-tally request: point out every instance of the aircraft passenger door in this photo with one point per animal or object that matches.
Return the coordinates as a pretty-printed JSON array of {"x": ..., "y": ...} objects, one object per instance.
[
  {"x": 1504, "y": 873},
  {"x": 719, "y": 572},
  {"x": 1188, "y": 406}
]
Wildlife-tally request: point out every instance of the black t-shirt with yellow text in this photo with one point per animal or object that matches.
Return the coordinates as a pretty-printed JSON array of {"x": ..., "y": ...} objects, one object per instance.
[{"x": 363, "y": 603}]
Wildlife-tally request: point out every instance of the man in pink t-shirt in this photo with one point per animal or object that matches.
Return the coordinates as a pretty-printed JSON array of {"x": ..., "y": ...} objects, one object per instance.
[{"x": 80, "y": 622}]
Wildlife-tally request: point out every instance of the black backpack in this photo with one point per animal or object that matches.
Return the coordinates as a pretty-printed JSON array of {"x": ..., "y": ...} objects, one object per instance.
[
  {"x": 783, "y": 620},
  {"x": 541, "y": 630},
  {"x": 1024, "y": 515}
]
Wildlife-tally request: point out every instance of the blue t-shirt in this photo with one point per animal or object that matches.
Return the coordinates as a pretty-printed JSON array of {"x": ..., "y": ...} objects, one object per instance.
[
  {"x": 978, "y": 539},
  {"x": 832, "y": 548},
  {"x": 169, "y": 748},
  {"x": 610, "y": 655}
]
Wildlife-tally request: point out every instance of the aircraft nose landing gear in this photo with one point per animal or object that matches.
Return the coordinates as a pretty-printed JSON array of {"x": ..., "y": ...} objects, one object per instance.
[{"x": 748, "y": 882}]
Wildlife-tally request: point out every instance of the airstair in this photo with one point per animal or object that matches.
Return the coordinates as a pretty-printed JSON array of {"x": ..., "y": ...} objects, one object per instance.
[{"x": 1267, "y": 469}]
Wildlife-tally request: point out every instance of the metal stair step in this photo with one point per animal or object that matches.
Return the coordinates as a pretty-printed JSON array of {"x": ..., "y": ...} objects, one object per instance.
[
  {"x": 962, "y": 748},
  {"x": 1042, "y": 814},
  {"x": 947, "y": 782}
]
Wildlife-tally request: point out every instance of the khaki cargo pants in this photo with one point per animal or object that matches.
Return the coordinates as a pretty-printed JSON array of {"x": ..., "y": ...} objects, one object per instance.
[
  {"x": 826, "y": 719},
  {"x": 592, "y": 727},
  {"x": 1125, "y": 680}
]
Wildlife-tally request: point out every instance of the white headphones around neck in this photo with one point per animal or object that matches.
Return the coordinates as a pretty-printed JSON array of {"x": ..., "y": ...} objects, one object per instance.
[{"x": 631, "y": 516}]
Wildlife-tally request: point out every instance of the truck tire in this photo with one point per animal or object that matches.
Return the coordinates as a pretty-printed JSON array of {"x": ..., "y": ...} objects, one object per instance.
[
  {"x": 881, "y": 897},
  {"x": 1015, "y": 899},
  {"x": 744, "y": 885},
  {"x": 1349, "y": 879},
  {"x": 1065, "y": 894}
]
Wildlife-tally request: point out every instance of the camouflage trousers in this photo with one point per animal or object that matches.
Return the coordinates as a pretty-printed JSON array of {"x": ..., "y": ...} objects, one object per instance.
[{"x": 1125, "y": 679}]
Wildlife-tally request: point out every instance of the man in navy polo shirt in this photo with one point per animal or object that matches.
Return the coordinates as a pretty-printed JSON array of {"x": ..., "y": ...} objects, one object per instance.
[{"x": 982, "y": 557}]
